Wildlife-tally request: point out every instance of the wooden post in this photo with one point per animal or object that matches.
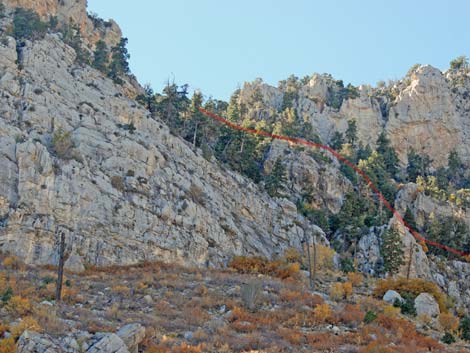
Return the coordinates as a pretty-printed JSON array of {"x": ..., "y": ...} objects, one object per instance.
[
  {"x": 409, "y": 262},
  {"x": 60, "y": 270},
  {"x": 310, "y": 276},
  {"x": 314, "y": 261}
]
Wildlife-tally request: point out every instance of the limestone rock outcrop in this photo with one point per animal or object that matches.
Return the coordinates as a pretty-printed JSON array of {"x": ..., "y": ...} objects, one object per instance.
[
  {"x": 426, "y": 305},
  {"x": 92, "y": 29},
  {"x": 127, "y": 190}
]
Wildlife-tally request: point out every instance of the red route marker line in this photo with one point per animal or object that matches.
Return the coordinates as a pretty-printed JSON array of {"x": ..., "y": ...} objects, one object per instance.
[{"x": 299, "y": 141}]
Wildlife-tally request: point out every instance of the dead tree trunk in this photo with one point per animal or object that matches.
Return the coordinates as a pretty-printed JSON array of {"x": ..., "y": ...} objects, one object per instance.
[
  {"x": 314, "y": 275},
  {"x": 409, "y": 262},
  {"x": 60, "y": 269}
]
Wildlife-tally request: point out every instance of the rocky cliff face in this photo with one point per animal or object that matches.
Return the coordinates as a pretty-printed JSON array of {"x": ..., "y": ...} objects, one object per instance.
[
  {"x": 128, "y": 190},
  {"x": 74, "y": 11},
  {"x": 427, "y": 111}
]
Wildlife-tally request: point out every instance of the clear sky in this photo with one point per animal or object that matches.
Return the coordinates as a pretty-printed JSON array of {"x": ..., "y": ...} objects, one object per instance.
[{"x": 216, "y": 45}]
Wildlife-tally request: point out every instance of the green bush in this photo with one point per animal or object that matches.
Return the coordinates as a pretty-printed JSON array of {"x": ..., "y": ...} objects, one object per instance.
[
  {"x": 369, "y": 317},
  {"x": 465, "y": 328},
  {"x": 28, "y": 25},
  {"x": 6, "y": 295},
  {"x": 448, "y": 338},
  {"x": 407, "y": 306},
  {"x": 62, "y": 144}
]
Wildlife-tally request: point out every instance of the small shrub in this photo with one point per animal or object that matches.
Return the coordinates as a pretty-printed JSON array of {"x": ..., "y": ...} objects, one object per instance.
[
  {"x": 261, "y": 265},
  {"x": 6, "y": 295},
  {"x": 355, "y": 278},
  {"x": 117, "y": 182},
  {"x": 121, "y": 290},
  {"x": 197, "y": 194},
  {"x": 465, "y": 328},
  {"x": 19, "y": 306},
  {"x": 251, "y": 293},
  {"x": 12, "y": 263},
  {"x": 407, "y": 306},
  {"x": 7, "y": 345},
  {"x": 448, "y": 322},
  {"x": 62, "y": 144},
  {"x": 347, "y": 289},
  {"x": 322, "y": 312},
  {"x": 369, "y": 317},
  {"x": 391, "y": 311},
  {"x": 324, "y": 257},
  {"x": 347, "y": 265},
  {"x": 337, "y": 292},
  {"x": 448, "y": 338},
  {"x": 26, "y": 323}
]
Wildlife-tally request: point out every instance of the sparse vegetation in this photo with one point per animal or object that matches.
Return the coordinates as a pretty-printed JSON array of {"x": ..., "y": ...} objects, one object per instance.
[{"x": 62, "y": 144}]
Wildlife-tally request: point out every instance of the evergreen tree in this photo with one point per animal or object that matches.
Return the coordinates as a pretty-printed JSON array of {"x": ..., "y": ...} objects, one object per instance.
[
  {"x": 101, "y": 57},
  {"x": 27, "y": 25},
  {"x": 171, "y": 104},
  {"x": 391, "y": 250},
  {"x": 119, "y": 61},
  {"x": 351, "y": 132},
  {"x": 276, "y": 179},
  {"x": 417, "y": 165},
  {"x": 72, "y": 37},
  {"x": 196, "y": 118},
  {"x": 389, "y": 155},
  {"x": 337, "y": 141},
  {"x": 409, "y": 218}
]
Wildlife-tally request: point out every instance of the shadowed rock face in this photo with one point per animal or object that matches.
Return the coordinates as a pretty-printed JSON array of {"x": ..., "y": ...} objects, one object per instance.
[{"x": 120, "y": 196}]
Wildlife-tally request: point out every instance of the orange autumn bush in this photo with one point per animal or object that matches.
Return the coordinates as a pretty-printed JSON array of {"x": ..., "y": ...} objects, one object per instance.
[{"x": 276, "y": 268}]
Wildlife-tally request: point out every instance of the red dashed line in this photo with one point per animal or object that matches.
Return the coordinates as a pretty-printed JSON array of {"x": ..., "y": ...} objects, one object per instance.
[{"x": 342, "y": 159}]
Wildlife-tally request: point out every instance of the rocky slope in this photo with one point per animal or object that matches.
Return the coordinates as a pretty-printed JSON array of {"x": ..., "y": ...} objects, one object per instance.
[
  {"x": 79, "y": 156},
  {"x": 75, "y": 11},
  {"x": 122, "y": 196},
  {"x": 424, "y": 111}
]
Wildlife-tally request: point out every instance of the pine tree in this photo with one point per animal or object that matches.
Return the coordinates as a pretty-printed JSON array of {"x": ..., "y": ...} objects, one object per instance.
[
  {"x": 101, "y": 59},
  {"x": 73, "y": 38},
  {"x": 409, "y": 218},
  {"x": 337, "y": 141},
  {"x": 119, "y": 61},
  {"x": 417, "y": 165},
  {"x": 196, "y": 117},
  {"x": 391, "y": 250},
  {"x": 276, "y": 179},
  {"x": 388, "y": 153},
  {"x": 351, "y": 132}
]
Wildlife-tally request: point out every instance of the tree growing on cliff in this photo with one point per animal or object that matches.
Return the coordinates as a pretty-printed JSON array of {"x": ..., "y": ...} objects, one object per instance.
[
  {"x": 389, "y": 155},
  {"x": 100, "y": 57},
  {"x": 119, "y": 61},
  {"x": 417, "y": 165},
  {"x": 351, "y": 132},
  {"x": 276, "y": 179},
  {"x": 391, "y": 250},
  {"x": 27, "y": 25},
  {"x": 458, "y": 63}
]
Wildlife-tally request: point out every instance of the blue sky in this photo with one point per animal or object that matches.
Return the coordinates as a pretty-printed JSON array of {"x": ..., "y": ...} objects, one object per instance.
[{"x": 215, "y": 46}]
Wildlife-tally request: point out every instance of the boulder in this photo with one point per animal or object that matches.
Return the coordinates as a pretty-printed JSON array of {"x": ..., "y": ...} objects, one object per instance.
[
  {"x": 107, "y": 343},
  {"x": 426, "y": 305},
  {"x": 132, "y": 335},
  {"x": 391, "y": 296},
  {"x": 30, "y": 342}
]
